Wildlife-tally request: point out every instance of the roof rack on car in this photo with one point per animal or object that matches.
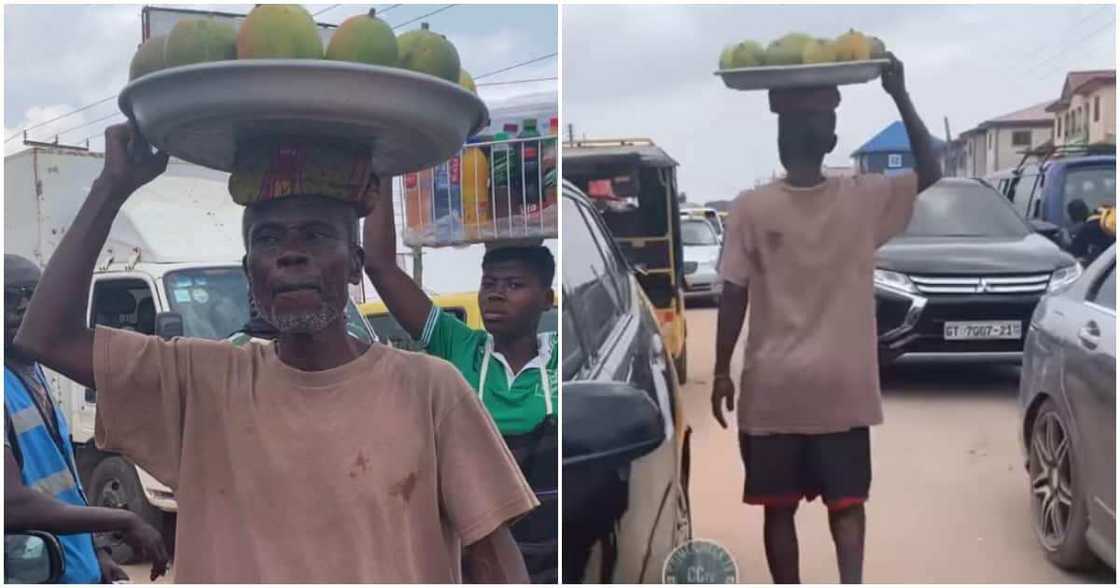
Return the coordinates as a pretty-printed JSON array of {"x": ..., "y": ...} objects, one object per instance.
[
  {"x": 629, "y": 142},
  {"x": 1046, "y": 153}
]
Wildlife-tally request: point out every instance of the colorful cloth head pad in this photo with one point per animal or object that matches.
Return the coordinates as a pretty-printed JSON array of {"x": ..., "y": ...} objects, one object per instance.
[{"x": 275, "y": 167}]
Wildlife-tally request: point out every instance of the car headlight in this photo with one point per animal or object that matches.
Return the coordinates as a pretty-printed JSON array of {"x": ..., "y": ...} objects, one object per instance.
[
  {"x": 894, "y": 280},
  {"x": 1064, "y": 277}
]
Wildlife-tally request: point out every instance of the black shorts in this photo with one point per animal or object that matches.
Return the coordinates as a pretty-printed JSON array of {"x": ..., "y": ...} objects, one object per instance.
[{"x": 784, "y": 468}]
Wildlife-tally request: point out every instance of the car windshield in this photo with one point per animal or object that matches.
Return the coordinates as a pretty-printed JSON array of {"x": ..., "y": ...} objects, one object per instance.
[
  {"x": 1095, "y": 186},
  {"x": 214, "y": 302},
  {"x": 964, "y": 209},
  {"x": 698, "y": 232}
]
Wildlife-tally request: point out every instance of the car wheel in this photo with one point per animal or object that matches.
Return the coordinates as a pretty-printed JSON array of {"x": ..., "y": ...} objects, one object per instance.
[
  {"x": 681, "y": 363},
  {"x": 116, "y": 485},
  {"x": 1058, "y": 504}
]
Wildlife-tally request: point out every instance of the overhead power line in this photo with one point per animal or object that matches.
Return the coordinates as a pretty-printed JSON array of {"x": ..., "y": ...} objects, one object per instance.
[
  {"x": 525, "y": 81},
  {"x": 1025, "y": 59},
  {"x": 60, "y": 117},
  {"x": 82, "y": 126},
  {"x": 1110, "y": 25},
  {"x": 514, "y": 66},
  {"x": 423, "y": 16},
  {"x": 331, "y": 7},
  {"x": 381, "y": 11}
]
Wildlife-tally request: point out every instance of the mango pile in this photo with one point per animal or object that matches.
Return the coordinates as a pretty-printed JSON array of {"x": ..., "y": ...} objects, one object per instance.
[
  {"x": 799, "y": 49},
  {"x": 288, "y": 31}
]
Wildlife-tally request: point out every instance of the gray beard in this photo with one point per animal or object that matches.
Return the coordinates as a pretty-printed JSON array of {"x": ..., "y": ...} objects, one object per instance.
[{"x": 303, "y": 323}]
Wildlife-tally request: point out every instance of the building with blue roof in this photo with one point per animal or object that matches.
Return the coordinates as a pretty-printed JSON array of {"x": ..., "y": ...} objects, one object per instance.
[{"x": 889, "y": 151}]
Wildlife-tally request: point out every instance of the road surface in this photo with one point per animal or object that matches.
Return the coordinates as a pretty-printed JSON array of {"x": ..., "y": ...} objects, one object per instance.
[{"x": 949, "y": 500}]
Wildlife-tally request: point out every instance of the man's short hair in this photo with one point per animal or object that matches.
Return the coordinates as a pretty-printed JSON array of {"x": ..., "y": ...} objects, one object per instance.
[
  {"x": 346, "y": 209},
  {"x": 1078, "y": 210},
  {"x": 19, "y": 269},
  {"x": 538, "y": 258}
]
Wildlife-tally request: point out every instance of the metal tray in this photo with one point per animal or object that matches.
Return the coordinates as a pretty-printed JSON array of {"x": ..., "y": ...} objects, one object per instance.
[
  {"x": 802, "y": 76},
  {"x": 199, "y": 112}
]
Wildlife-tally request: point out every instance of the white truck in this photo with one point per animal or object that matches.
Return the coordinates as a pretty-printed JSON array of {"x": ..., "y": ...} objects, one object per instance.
[{"x": 171, "y": 266}]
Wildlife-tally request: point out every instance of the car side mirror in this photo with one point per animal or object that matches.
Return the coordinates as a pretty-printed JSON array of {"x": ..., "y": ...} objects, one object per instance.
[
  {"x": 169, "y": 324},
  {"x": 1046, "y": 229},
  {"x": 608, "y": 424},
  {"x": 32, "y": 557}
]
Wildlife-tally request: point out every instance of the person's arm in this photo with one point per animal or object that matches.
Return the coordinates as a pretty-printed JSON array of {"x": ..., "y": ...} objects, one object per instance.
[
  {"x": 926, "y": 163},
  {"x": 494, "y": 559},
  {"x": 735, "y": 260},
  {"x": 403, "y": 297},
  {"x": 54, "y": 331},
  {"x": 729, "y": 324},
  {"x": 27, "y": 509}
]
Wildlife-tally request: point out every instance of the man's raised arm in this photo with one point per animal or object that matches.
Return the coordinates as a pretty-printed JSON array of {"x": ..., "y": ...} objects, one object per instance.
[
  {"x": 54, "y": 330},
  {"x": 402, "y": 296},
  {"x": 926, "y": 164}
]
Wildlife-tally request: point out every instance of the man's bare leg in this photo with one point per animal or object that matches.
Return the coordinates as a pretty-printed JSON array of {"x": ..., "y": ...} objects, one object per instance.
[
  {"x": 848, "y": 527},
  {"x": 779, "y": 535}
]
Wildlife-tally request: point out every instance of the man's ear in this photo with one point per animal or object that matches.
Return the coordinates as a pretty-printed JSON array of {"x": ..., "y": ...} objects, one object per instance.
[{"x": 357, "y": 264}]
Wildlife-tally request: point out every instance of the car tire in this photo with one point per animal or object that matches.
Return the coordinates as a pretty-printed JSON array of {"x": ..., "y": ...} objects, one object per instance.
[
  {"x": 1059, "y": 510},
  {"x": 115, "y": 485},
  {"x": 681, "y": 364}
]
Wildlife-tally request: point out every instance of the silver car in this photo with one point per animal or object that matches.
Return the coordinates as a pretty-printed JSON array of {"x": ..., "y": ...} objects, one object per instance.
[
  {"x": 1067, "y": 396},
  {"x": 701, "y": 255}
]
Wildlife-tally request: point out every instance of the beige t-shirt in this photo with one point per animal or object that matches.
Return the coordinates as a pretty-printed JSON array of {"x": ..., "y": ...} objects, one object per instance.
[
  {"x": 807, "y": 256},
  {"x": 376, "y": 471}
]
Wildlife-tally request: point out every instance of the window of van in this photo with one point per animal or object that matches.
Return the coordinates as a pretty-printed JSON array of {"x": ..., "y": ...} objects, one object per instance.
[{"x": 1095, "y": 186}]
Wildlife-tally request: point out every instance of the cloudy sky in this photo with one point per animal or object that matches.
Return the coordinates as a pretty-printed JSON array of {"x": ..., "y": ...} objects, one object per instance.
[
  {"x": 62, "y": 57},
  {"x": 646, "y": 71}
]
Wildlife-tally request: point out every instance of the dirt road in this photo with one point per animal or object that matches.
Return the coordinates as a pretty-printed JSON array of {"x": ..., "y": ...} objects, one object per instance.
[{"x": 949, "y": 499}]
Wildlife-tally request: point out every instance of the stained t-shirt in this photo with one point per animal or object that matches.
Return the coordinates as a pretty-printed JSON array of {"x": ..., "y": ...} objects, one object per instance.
[
  {"x": 375, "y": 471},
  {"x": 807, "y": 258}
]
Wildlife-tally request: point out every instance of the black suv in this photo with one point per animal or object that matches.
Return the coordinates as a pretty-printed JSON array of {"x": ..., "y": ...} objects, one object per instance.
[
  {"x": 625, "y": 443},
  {"x": 964, "y": 277}
]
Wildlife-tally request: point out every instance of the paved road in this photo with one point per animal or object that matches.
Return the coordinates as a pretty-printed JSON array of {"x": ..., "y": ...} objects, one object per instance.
[{"x": 949, "y": 501}]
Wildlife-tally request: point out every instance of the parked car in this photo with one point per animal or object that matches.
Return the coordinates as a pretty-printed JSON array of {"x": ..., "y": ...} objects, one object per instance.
[
  {"x": 1067, "y": 397},
  {"x": 32, "y": 557},
  {"x": 463, "y": 305},
  {"x": 701, "y": 255},
  {"x": 1040, "y": 191},
  {"x": 625, "y": 443},
  {"x": 964, "y": 277},
  {"x": 712, "y": 215}
]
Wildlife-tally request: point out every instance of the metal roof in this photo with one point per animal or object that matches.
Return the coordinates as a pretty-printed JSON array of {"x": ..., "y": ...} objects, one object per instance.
[{"x": 621, "y": 151}]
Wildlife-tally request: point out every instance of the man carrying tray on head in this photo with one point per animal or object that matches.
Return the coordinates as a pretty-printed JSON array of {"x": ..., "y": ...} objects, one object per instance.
[
  {"x": 317, "y": 458},
  {"x": 803, "y": 247}
]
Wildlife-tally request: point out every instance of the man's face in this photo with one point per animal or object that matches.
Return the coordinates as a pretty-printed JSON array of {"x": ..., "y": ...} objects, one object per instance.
[
  {"x": 512, "y": 298},
  {"x": 299, "y": 261},
  {"x": 17, "y": 294}
]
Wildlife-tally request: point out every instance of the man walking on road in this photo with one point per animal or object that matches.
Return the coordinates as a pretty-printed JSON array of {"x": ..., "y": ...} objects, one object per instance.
[
  {"x": 315, "y": 459},
  {"x": 803, "y": 249},
  {"x": 42, "y": 490}
]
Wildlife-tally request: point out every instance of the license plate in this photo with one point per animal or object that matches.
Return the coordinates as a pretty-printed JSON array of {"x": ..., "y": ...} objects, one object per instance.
[{"x": 955, "y": 331}]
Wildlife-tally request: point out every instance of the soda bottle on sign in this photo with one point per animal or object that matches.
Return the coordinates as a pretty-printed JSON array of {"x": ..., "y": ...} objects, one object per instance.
[
  {"x": 531, "y": 166},
  {"x": 548, "y": 162},
  {"x": 506, "y": 177},
  {"x": 418, "y": 199},
  {"x": 475, "y": 169},
  {"x": 446, "y": 203}
]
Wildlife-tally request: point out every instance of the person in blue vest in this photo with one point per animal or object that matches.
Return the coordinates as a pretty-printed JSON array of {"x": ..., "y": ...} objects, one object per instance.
[{"x": 42, "y": 490}]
